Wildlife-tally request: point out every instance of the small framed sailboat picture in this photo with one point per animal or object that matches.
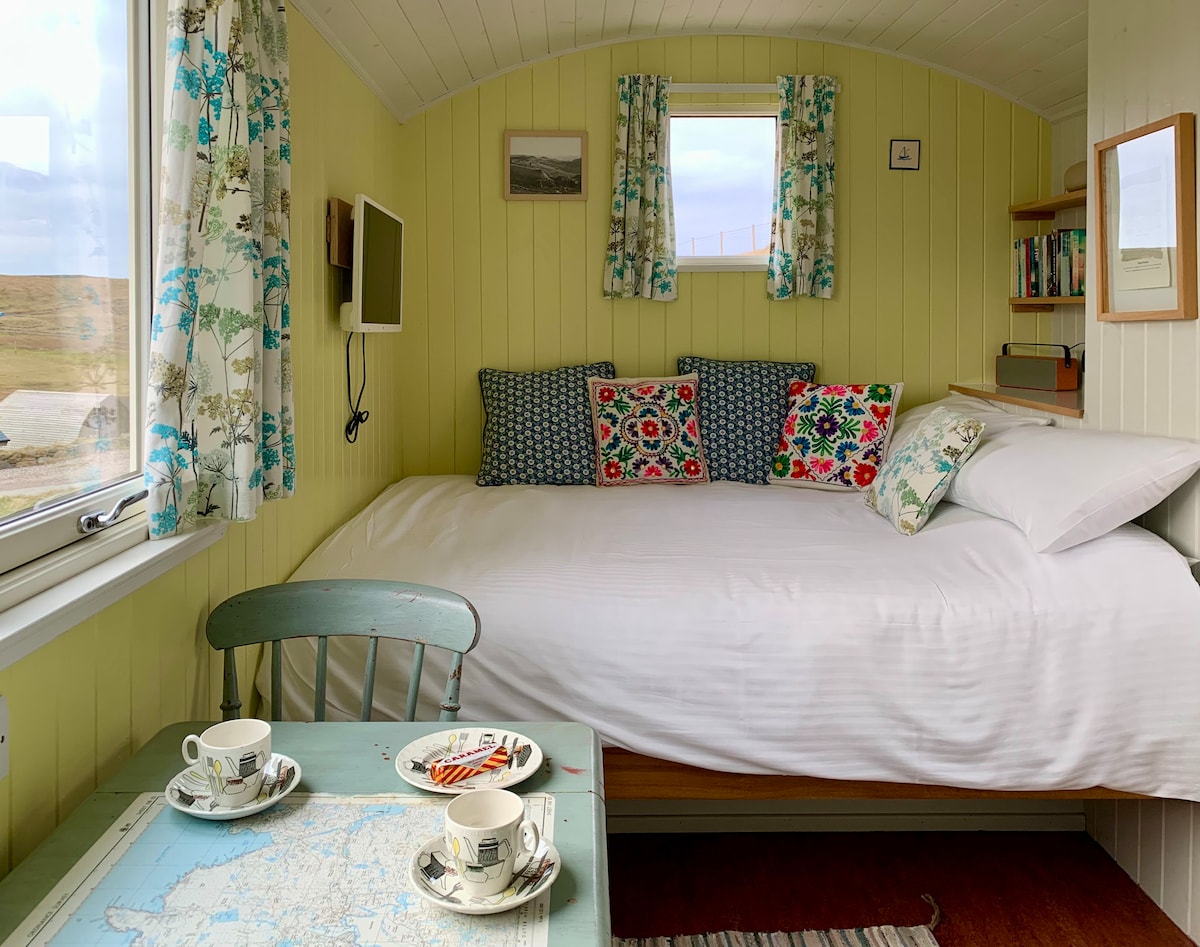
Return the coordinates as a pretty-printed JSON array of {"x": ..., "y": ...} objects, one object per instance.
[{"x": 906, "y": 154}]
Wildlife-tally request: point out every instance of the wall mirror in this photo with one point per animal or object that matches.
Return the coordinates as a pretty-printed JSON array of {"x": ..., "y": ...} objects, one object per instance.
[{"x": 1146, "y": 217}]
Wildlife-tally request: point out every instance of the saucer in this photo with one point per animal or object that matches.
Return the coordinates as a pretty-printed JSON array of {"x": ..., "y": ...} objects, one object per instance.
[
  {"x": 412, "y": 762},
  {"x": 432, "y": 873},
  {"x": 188, "y": 791}
]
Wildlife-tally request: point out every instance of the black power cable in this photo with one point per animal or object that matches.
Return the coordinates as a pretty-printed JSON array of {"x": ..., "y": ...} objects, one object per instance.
[{"x": 357, "y": 416}]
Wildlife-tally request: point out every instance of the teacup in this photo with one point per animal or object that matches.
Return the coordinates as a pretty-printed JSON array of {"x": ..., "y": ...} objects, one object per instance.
[
  {"x": 232, "y": 755},
  {"x": 485, "y": 829}
]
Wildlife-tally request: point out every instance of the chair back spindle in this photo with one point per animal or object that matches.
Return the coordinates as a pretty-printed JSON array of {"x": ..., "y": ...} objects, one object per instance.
[
  {"x": 276, "y": 679},
  {"x": 369, "y": 679},
  {"x": 414, "y": 681},
  {"x": 319, "y": 689}
]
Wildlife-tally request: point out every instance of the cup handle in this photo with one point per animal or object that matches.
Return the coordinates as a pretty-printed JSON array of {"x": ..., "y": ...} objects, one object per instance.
[
  {"x": 186, "y": 740},
  {"x": 530, "y": 836}
]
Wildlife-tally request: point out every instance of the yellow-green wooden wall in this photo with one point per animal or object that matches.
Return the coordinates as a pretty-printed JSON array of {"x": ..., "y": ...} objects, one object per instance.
[
  {"x": 81, "y": 705},
  {"x": 923, "y": 267}
]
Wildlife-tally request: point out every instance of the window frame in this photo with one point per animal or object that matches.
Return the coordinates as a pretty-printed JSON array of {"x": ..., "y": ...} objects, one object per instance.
[
  {"x": 742, "y": 263},
  {"x": 38, "y": 551}
]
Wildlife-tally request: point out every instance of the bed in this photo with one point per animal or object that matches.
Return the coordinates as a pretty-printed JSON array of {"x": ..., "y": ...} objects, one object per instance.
[{"x": 732, "y": 640}]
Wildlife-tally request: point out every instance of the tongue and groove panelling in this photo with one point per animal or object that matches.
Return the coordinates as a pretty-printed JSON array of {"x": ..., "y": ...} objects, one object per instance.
[{"x": 923, "y": 258}]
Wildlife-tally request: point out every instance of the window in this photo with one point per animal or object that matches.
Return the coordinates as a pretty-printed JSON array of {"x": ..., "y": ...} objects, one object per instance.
[
  {"x": 723, "y": 181},
  {"x": 74, "y": 223}
]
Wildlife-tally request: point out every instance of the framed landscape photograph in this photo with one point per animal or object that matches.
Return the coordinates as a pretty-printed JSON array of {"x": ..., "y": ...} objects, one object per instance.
[{"x": 545, "y": 166}]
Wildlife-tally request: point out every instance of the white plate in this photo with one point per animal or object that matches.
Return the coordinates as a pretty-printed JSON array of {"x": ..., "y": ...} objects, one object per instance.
[
  {"x": 413, "y": 760},
  {"x": 188, "y": 791},
  {"x": 432, "y": 873}
]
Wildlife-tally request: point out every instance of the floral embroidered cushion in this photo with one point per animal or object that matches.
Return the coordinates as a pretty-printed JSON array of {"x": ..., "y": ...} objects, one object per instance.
[
  {"x": 918, "y": 473},
  {"x": 538, "y": 426},
  {"x": 647, "y": 431},
  {"x": 743, "y": 405},
  {"x": 835, "y": 437}
]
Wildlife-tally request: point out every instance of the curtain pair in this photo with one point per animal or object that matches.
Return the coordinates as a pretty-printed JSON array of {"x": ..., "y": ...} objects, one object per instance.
[{"x": 641, "y": 246}]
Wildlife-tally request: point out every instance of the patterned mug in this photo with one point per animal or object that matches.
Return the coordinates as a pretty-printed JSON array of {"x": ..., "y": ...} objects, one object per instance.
[
  {"x": 232, "y": 756},
  {"x": 485, "y": 829}
]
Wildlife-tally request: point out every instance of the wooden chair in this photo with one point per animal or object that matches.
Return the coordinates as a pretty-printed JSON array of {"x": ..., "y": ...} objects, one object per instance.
[{"x": 373, "y": 608}]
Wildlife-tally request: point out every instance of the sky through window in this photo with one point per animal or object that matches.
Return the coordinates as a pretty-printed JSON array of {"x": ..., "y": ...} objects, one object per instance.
[{"x": 722, "y": 176}]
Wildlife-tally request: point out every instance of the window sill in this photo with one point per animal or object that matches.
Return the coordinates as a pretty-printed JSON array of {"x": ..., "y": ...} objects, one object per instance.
[
  {"x": 40, "y": 619},
  {"x": 721, "y": 264}
]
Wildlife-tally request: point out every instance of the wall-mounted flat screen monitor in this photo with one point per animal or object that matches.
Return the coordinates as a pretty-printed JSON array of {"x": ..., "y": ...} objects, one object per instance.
[{"x": 377, "y": 270}]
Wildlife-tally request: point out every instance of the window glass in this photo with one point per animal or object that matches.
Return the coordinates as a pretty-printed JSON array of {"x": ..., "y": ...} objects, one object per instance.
[
  {"x": 65, "y": 251},
  {"x": 722, "y": 179}
]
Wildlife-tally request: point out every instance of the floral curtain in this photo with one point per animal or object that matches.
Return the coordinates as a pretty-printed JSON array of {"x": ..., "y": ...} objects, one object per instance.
[
  {"x": 801, "y": 260},
  {"x": 219, "y": 406},
  {"x": 641, "y": 242}
]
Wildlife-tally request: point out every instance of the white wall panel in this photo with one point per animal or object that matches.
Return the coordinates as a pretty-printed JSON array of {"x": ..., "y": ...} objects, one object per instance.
[
  {"x": 1177, "y": 849},
  {"x": 1143, "y": 377}
]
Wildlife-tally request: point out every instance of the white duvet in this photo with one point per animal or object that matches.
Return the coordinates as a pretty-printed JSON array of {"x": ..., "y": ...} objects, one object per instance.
[{"x": 772, "y": 630}]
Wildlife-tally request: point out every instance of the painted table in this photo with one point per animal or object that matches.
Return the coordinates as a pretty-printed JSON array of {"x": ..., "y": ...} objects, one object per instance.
[{"x": 357, "y": 759}]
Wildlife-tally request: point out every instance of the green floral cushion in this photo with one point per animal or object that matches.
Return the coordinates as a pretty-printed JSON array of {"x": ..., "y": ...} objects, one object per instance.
[
  {"x": 835, "y": 437},
  {"x": 647, "y": 431},
  {"x": 918, "y": 473},
  {"x": 743, "y": 404},
  {"x": 538, "y": 426}
]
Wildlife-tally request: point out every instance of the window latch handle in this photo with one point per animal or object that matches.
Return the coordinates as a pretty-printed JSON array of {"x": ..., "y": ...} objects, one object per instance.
[{"x": 98, "y": 520}]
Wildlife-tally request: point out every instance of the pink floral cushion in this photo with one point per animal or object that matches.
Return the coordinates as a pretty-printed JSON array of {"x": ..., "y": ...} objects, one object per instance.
[
  {"x": 835, "y": 437},
  {"x": 647, "y": 430}
]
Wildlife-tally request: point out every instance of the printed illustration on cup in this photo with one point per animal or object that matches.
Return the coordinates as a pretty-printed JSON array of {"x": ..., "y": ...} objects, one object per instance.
[
  {"x": 231, "y": 756},
  {"x": 484, "y": 831}
]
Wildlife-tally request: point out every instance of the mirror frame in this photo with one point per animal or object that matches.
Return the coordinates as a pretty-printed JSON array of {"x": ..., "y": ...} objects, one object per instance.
[{"x": 1184, "y": 277}]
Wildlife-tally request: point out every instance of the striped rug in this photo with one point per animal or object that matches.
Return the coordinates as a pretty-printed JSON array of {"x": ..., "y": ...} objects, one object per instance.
[{"x": 886, "y": 936}]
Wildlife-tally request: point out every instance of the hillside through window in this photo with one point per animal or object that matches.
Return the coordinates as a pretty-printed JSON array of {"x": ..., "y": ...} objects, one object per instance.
[
  {"x": 68, "y": 80},
  {"x": 722, "y": 179}
]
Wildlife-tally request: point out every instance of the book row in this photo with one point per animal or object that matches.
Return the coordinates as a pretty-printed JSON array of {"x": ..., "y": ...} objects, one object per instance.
[{"x": 1050, "y": 264}]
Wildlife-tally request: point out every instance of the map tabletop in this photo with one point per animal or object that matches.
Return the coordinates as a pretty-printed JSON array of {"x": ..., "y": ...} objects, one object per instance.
[{"x": 325, "y": 866}]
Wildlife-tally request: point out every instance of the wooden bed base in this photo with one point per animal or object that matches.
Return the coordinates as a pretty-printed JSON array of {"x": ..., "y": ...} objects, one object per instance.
[{"x": 630, "y": 776}]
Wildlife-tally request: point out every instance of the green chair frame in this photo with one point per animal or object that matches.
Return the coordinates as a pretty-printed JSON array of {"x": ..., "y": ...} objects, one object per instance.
[{"x": 372, "y": 608}]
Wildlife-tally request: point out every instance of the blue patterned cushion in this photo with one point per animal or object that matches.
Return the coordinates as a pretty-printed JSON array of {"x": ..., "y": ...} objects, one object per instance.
[
  {"x": 538, "y": 426},
  {"x": 742, "y": 406}
]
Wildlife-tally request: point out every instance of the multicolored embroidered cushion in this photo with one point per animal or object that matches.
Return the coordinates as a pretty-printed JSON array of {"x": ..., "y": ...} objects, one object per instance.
[
  {"x": 538, "y": 426},
  {"x": 835, "y": 437},
  {"x": 647, "y": 431},
  {"x": 918, "y": 473},
  {"x": 743, "y": 405}
]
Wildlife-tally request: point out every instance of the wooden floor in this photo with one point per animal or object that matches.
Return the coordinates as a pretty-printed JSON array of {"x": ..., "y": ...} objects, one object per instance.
[{"x": 1033, "y": 889}]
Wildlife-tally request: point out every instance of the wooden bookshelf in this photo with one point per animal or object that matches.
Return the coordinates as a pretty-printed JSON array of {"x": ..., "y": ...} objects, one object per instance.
[
  {"x": 1043, "y": 303},
  {"x": 1047, "y": 207},
  {"x": 1067, "y": 403}
]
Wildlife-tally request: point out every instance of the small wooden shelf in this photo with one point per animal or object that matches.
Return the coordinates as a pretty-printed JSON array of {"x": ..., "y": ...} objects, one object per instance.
[
  {"x": 1047, "y": 207},
  {"x": 1044, "y": 303},
  {"x": 1066, "y": 403}
]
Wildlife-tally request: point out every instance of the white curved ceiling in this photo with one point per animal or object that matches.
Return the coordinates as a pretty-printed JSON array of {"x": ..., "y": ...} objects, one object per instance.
[{"x": 415, "y": 52}]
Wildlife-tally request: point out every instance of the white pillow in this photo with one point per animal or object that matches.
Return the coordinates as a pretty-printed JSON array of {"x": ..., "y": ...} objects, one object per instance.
[
  {"x": 995, "y": 419},
  {"x": 1064, "y": 486}
]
